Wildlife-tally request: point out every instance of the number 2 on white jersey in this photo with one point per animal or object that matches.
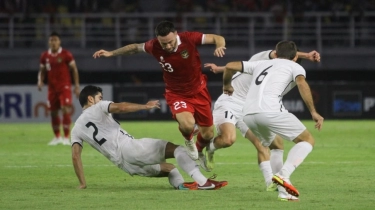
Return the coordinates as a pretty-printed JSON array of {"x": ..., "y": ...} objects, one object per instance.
[
  {"x": 101, "y": 141},
  {"x": 178, "y": 104},
  {"x": 166, "y": 66}
]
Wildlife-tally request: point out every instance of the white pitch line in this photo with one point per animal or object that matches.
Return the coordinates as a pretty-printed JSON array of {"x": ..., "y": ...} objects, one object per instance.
[{"x": 109, "y": 165}]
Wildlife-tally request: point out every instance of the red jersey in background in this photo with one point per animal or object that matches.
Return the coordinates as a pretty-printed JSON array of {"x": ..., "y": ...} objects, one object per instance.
[{"x": 57, "y": 66}]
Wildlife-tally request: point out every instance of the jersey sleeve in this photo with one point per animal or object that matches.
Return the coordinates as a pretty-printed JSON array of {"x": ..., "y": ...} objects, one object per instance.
[
  {"x": 69, "y": 57},
  {"x": 265, "y": 55},
  {"x": 148, "y": 46},
  {"x": 196, "y": 37},
  {"x": 298, "y": 70},
  {"x": 104, "y": 106},
  {"x": 249, "y": 66},
  {"x": 74, "y": 137}
]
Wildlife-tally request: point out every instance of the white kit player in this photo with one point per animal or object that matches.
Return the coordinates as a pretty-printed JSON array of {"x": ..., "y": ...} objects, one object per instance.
[
  {"x": 264, "y": 112},
  {"x": 227, "y": 115},
  {"x": 143, "y": 157}
]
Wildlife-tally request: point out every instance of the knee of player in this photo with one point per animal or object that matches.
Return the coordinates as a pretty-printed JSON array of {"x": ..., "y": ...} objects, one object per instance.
[
  {"x": 229, "y": 140},
  {"x": 311, "y": 141},
  {"x": 207, "y": 134}
]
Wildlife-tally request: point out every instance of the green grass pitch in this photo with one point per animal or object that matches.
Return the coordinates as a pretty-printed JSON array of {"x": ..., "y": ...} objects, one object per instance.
[{"x": 336, "y": 175}]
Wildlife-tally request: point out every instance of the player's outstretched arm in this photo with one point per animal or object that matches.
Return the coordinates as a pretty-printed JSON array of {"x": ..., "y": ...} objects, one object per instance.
[
  {"x": 304, "y": 90},
  {"x": 219, "y": 41},
  {"x": 125, "y": 107},
  {"x": 312, "y": 56},
  {"x": 77, "y": 163},
  {"x": 126, "y": 50},
  {"x": 230, "y": 69},
  {"x": 215, "y": 69}
]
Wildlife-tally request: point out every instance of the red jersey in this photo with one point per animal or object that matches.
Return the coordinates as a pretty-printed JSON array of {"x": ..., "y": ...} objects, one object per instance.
[
  {"x": 182, "y": 72},
  {"x": 57, "y": 66}
]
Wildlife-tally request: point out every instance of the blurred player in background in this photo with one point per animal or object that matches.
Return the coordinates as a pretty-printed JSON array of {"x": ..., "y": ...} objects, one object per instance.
[
  {"x": 185, "y": 92},
  {"x": 57, "y": 62},
  {"x": 143, "y": 157}
]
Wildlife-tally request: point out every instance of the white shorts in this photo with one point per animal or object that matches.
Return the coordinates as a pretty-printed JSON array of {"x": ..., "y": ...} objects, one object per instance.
[
  {"x": 143, "y": 156},
  {"x": 228, "y": 112},
  {"x": 266, "y": 125}
]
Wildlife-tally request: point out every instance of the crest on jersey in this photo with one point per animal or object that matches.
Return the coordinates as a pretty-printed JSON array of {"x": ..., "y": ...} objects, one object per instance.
[
  {"x": 184, "y": 54},
  {"x": 59, "y": 59},
  {"x": 162, "y": 59}
]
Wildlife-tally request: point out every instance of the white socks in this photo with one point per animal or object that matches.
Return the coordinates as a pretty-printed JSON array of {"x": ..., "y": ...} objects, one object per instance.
[
  {"x": 189, "y": 166},
  {"x": 295, "y": 157},
  {"x": 276, "y": 160},
  {"x": 265, "y": 168},
  {"x": 198, "y": 176},
  {"x": 175, "y": 178},
  {"x": 211, "y": 146}
]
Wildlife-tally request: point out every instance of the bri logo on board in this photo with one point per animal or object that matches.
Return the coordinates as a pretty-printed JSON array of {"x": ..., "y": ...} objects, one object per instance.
[{"x": 20, "y": 105}]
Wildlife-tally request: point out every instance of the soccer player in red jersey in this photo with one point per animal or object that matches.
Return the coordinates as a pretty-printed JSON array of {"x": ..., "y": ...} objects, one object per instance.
[
  {"x": 185, "y": 85},
  {"x": 56, "y": 62}
]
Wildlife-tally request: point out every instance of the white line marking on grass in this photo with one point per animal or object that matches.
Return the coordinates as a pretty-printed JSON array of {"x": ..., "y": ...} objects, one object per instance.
[
  {"x": 50, "y": 166},
  {"x": 109, "y": 165}
]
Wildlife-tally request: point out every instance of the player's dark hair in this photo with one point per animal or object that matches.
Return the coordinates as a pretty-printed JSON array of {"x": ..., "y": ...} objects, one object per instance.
[
  {"x": 286, "y": 49},
  {"x": 164, "y": 28},
  {"x": 54, "y": 34},
  {"x": 89, "y": 90}
]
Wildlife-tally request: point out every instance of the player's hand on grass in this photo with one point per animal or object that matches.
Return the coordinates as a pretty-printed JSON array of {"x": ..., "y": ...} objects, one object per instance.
[
  {"x": 215, "y": 69},
  {"x": 314, "y": 56},
  {"x": 219, "y": 52},
  {"x": 318, "y": 120},
  {"x": 153, "y": 104},
  {"x": 102, "y": 53},
  {"x": 228, "y": 89}
]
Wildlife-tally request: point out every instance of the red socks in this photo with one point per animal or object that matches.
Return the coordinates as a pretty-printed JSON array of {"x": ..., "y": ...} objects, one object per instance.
[
  {"x": 67, "y": 120},
  {"x": 201, "y": 143},
  {"x": 55, "y": 122}
]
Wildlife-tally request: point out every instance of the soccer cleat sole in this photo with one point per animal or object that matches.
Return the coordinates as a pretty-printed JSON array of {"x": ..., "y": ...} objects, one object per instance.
[{"x": 288, "y": 187}]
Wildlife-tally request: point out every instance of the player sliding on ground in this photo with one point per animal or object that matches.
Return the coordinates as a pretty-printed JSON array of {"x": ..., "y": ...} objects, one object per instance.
[{"x": 143, "y": 157}]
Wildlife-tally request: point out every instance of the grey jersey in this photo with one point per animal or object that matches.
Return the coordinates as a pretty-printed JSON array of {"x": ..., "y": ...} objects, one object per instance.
[{"x": 97, "y": 127}]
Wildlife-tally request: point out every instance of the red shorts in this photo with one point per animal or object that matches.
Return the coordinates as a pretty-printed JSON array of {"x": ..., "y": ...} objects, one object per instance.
[
  {"x": 57, "y": 99},
  {"x": 199, "y": 105}
]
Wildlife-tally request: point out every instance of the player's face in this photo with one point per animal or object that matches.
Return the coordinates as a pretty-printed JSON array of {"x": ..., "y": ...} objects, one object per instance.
[
  {"x": 98, "y": 98},
  {"x": 169, "y": 42},
  {"x": 54, "y": 43}
]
